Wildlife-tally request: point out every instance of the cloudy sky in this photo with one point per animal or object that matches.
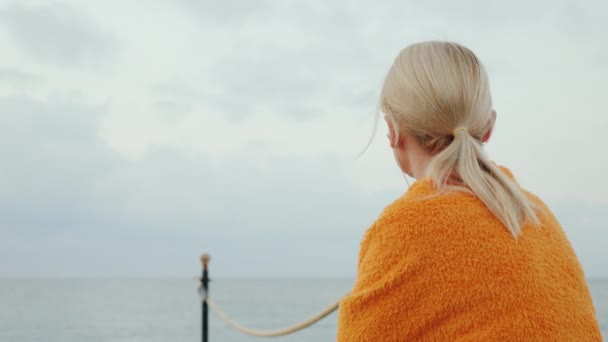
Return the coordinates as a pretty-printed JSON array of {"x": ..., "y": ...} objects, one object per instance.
[{"x": 135, "y": 135}]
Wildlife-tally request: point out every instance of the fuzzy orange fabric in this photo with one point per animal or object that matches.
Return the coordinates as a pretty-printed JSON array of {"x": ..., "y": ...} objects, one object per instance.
[{"x": 444, "y": 268}]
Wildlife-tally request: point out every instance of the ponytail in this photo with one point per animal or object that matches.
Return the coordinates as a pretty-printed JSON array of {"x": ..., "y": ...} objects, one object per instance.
[{"x": 464, "y": 164}]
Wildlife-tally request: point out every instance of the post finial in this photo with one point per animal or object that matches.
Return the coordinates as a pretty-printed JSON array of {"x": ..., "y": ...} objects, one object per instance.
[{"x": 205, "y": 260}]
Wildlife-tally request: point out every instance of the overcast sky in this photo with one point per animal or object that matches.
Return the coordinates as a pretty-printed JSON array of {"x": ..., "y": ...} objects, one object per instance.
[{"x": 135, "y": 135}]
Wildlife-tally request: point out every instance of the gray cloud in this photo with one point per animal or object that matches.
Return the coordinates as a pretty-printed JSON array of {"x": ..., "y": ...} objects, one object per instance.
[
  {"x": 174, "y": 100},
  {"x": 291, "y": 59},
  {"x": 66, "y": 194},
  {"x": 230, "y": 12},
  {"x": 247, "y": 84},
  {"x": 57, "y": 34},
  {"x": 52, "y": 159},
  {"x": 70, "y": 200},
  {"x": 17, "y": 78},
  {"x": 241, "y": 212},
  {"x": 314, "y": 52}
]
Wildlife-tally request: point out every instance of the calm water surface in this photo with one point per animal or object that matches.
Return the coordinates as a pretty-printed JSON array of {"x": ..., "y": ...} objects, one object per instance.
[{"x": 138, "y": 310}]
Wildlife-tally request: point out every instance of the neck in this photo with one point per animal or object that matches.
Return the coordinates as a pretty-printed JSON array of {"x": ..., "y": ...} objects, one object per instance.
[
  {"x": 416, "y": 158},
  {"x": 419, "y": 161}
]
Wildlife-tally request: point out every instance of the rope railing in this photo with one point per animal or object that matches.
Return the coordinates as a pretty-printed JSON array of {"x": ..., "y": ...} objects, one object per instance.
[
  {"x": 208, "y": 302},
  {"x": 276, "y": 332}
]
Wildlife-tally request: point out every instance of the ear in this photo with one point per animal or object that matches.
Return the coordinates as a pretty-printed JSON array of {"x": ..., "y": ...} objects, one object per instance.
[
  {"x": 391, "y": 133},
  {"x": 488, "y": 134},
  {"x": 394, "y": 141}
]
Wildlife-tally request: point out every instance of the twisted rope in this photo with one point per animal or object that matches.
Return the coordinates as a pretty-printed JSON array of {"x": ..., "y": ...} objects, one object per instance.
[{"x": 272, "y": 333}]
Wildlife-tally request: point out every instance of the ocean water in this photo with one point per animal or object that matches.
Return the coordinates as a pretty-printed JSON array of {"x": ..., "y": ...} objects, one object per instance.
[{"x": 168, "y": 309}]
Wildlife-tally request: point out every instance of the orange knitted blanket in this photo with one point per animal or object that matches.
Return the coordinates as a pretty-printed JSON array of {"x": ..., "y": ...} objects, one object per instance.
[{"x": 444, "y": 268}]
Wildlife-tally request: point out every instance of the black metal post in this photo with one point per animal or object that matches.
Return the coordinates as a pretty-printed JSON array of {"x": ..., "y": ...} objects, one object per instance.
[{"x": 205, "y": 287}]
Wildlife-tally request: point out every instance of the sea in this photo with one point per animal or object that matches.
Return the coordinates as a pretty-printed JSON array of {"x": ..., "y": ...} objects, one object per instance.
[{"x": 169, "y": 309}]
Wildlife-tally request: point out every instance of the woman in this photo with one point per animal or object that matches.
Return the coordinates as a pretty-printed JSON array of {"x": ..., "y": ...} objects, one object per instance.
[{"x": 466, "y": 253}]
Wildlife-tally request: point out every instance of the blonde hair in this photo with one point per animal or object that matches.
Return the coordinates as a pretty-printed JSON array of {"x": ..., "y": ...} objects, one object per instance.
[{"x": 438, "y": 92}]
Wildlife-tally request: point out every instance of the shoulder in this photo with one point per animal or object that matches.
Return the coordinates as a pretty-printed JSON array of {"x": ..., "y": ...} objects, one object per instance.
[
  {"x": 422, "y": 206},
  {"x": 408, "y": 230}
]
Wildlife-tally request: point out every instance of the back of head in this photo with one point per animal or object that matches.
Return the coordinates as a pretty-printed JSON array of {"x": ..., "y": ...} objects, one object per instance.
[{"x": 438, "y": 92}]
